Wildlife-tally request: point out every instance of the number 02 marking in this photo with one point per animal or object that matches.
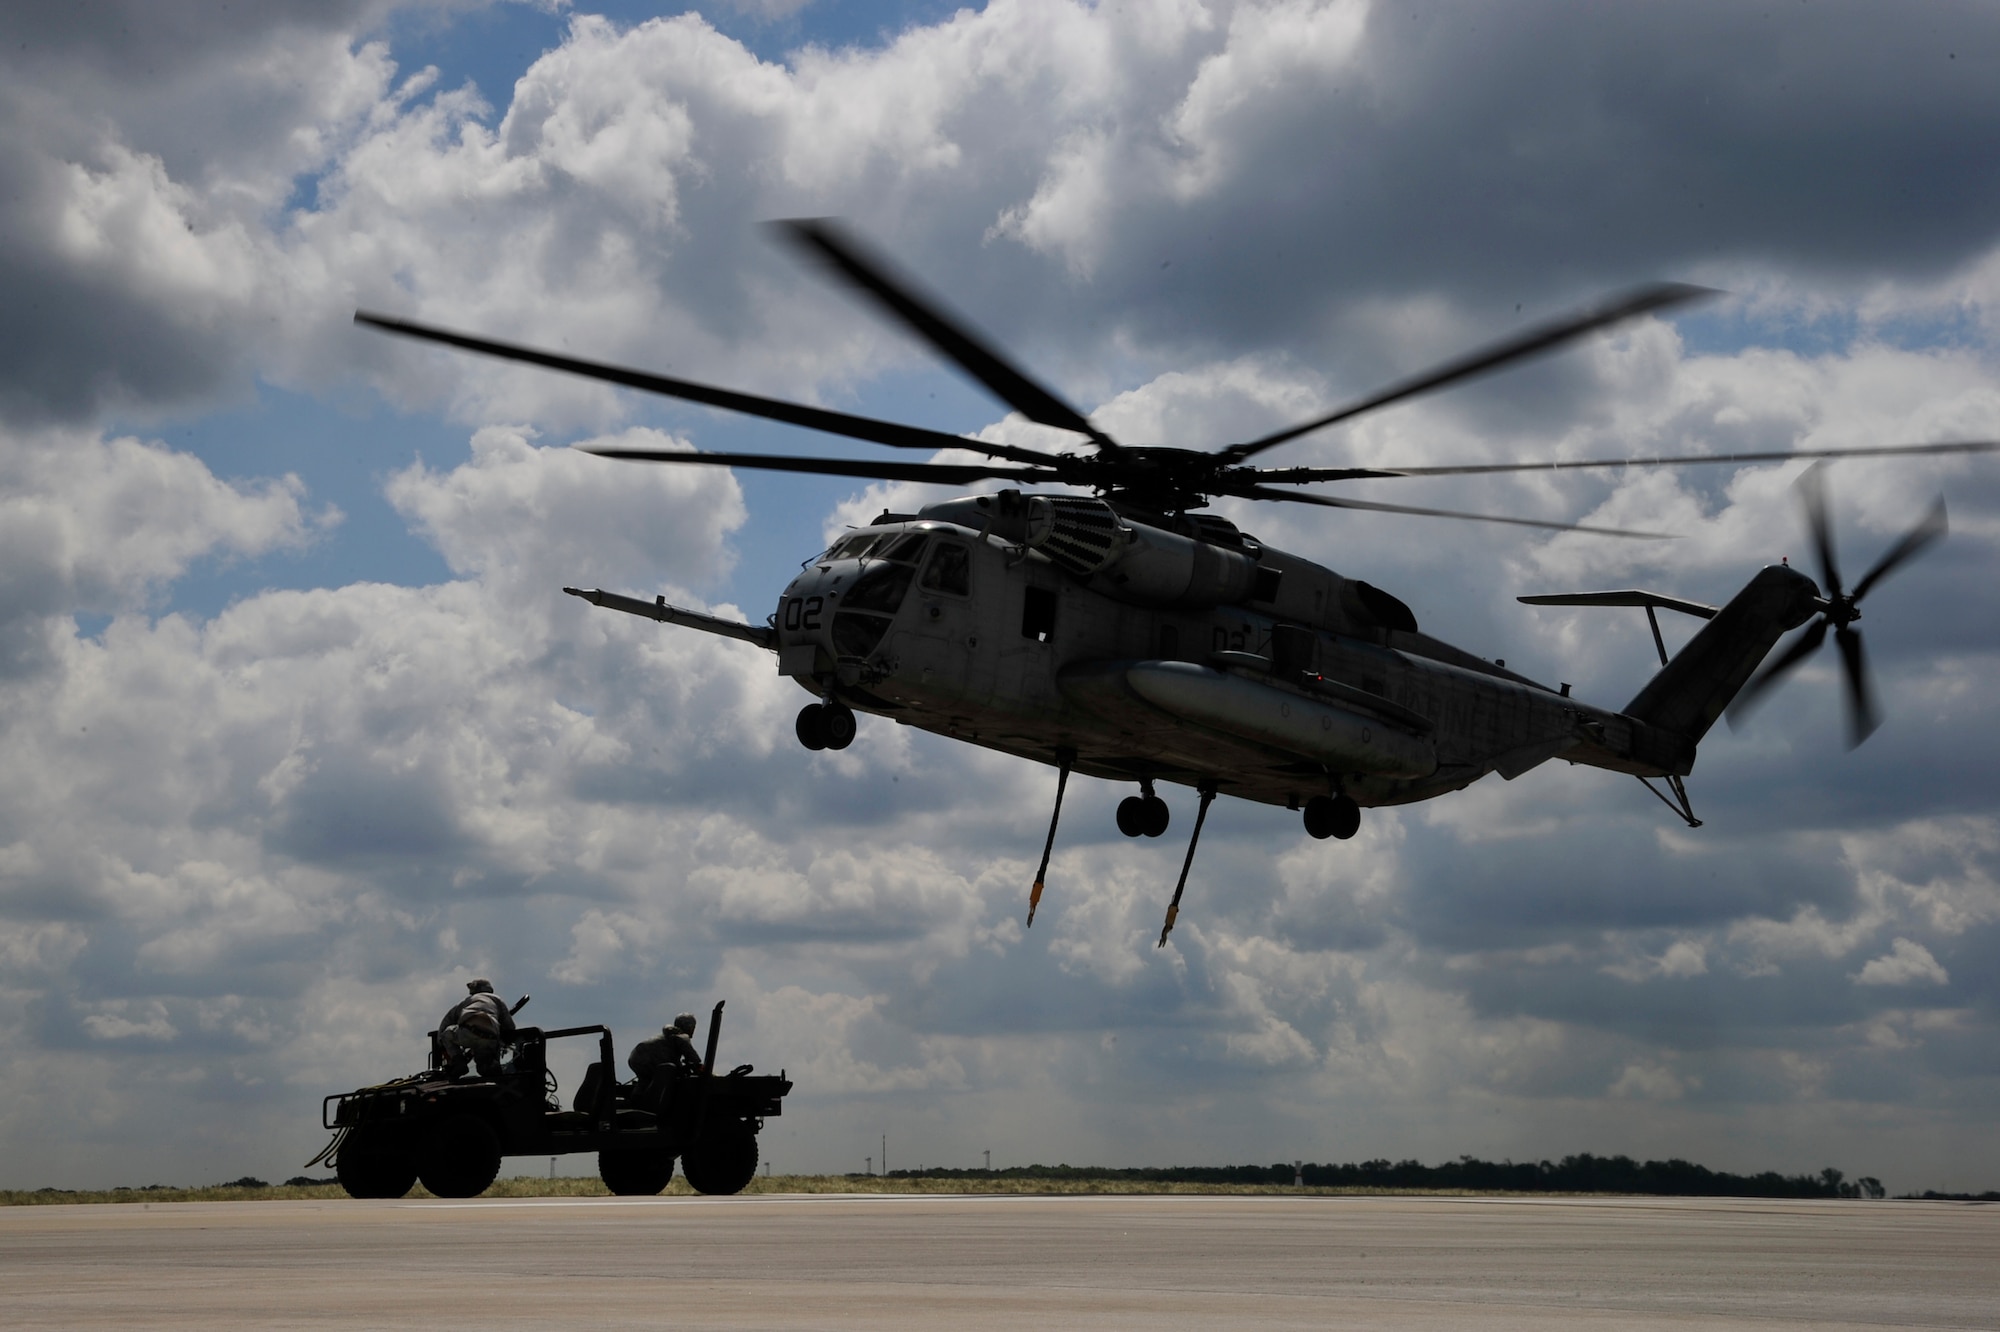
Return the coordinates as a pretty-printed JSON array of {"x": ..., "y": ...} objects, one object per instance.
[{"x": 803, "y": 613}]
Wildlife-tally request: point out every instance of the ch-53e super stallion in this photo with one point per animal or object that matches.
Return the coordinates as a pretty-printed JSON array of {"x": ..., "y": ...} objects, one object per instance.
[{"x": 1128, "y": 635}]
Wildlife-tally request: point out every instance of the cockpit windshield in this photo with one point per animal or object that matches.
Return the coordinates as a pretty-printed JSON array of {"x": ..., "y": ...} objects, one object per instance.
[
  {"x": 881, "y": 588},
  {"x": 902, "y": 547},
  {"x": 851, "y": 546},
  {"x": 905, "y": 549}
]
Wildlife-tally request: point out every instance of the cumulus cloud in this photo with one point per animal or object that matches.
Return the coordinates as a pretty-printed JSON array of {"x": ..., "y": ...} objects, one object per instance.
[
  {"x": 1905, "y": 963},
  {"x": 1649, "y": 1082},
  {"x": 520, "y": 513},
  {"x": 96, "y": 525}
]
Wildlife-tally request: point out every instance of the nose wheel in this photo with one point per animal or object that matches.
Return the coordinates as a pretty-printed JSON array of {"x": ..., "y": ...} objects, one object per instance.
[
  {"x": 1332, "y": 816},
  {"x": 825, "y": 726}
]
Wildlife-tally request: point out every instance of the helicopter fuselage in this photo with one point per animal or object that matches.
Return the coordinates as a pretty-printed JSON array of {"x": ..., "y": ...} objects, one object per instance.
[{"x": 1278, "y": 685}]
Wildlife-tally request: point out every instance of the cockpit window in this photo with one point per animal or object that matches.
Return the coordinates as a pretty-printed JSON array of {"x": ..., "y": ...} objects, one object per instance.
[
  {"x": 848, "y": 547},
  {"x": 950, "y": 569},
  {"x": 881, "y": 588},
  {"x": 906, "y": 549}
]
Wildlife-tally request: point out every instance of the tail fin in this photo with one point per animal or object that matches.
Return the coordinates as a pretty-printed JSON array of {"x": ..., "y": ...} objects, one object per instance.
[{"x": 1691, "y": 691}]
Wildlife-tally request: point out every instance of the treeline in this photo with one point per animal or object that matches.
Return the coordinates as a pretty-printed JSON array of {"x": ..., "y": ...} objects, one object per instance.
[{"x": 1582, "y": 1173}]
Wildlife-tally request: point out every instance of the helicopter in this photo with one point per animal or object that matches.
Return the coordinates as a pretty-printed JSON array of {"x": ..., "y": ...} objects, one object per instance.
[{"x": 1128, "y": 635}]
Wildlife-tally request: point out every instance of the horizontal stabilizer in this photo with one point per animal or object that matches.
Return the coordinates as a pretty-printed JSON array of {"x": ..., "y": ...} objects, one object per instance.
[
  {"x": 1629, "y": 597},
  {"x": 658, "y": 609}
]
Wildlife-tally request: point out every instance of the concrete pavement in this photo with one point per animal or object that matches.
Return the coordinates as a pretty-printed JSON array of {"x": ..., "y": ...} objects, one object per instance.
[{"x": 790, "y": 1261}]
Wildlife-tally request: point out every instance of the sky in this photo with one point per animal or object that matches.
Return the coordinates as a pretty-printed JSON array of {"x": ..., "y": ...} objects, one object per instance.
[{"x": 303, "y": 733}]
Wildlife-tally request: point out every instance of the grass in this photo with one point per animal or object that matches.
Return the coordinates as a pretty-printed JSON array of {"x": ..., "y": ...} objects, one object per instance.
[{"x": 574, "y": 1186}]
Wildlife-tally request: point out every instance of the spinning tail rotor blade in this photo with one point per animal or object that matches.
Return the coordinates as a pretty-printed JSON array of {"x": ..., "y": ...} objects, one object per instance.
[
  {"x": 1838, "y": 612},
  {"x": 1812, "y": 494},
  {"x": 825, "y": 240},
  {"x": 1931, "y": 529},
  {"x": 1862, "y": 714},
  {"x": 1752, "y": 694}
]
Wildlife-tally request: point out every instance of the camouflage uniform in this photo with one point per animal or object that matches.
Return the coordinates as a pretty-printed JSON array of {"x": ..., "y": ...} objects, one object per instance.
[
  {"x": 657, "y": 1059},
  {"x": 474, "y": 1032}
]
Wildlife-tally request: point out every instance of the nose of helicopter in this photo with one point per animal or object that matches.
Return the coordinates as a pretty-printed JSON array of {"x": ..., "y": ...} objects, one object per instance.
[{"x": 804, "y": 618}]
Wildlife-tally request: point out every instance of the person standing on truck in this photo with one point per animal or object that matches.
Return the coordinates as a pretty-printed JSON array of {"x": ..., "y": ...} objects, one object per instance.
[
  {"x": 475, "y": 1030},
  {"x": 658, "y": 1058}
]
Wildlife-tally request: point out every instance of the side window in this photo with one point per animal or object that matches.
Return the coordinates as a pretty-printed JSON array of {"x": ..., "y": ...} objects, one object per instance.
[
  {"x": 1038, "y": 615},
  {"x": 950, "y": 569}
]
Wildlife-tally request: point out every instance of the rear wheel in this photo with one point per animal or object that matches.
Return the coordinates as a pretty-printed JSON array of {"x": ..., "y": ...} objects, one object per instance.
[
  {"x": 637, "y": 1174},
  {"x": 461, "y": 1159},
  {"x": 1158, "y": 816},
  {"x": 1132, "y": 816},
  {"x": 722, "y": 1162},
  {"x": 369, "y": 1172},
  {"x": 1346, "y": 817},
  {"x": 1332, "y": 816}
]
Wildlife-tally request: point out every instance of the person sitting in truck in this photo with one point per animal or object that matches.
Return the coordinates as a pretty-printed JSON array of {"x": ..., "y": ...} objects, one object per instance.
[
  {"x": 657, "y": 1059},
  {"x": 475, "y": 1031}
]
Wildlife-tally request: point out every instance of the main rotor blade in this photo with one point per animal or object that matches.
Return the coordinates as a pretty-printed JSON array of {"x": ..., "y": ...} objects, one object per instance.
[
  {"x": 750, "y": 404},
  {"x": 1811, "y": 486},
  {"x": 1751, "y": 694},
  {"x": 1930, "y": 529},
  {"x": 1862, "y": 714},
  {"x": 1542, "y": 338},
  {"x": 948, "y": 474},
  {"x": 826, "y": 240},
  {"x": 1332, "y": 502},
  {"x": 1303, "y": 474}
]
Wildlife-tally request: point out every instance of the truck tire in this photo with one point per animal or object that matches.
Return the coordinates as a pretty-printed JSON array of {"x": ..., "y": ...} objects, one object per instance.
[
  {"x": 637, "y": 1174},
  {"x": 461, "y": 1158},
  {"x": 367, "y": 1173},
  {"x": 722, "y": 1162}
]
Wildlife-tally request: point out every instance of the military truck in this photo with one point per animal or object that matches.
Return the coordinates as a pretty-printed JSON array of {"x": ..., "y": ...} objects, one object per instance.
[{"x": 452, "y": 1133}]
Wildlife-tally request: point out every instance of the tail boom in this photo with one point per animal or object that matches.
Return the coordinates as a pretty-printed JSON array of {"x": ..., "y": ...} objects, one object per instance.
[{"x": 1692, "y": 690}]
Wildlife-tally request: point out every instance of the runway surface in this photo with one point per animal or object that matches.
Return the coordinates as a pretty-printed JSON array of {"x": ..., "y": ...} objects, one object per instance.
[{"x": 789, "y": 1261}]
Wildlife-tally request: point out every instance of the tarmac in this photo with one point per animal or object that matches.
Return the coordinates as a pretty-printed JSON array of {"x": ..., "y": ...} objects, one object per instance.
[{"x": 892, "y": 1262}]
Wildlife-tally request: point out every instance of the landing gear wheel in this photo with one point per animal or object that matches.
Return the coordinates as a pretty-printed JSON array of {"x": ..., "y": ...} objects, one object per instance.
[
  {"x": 836, "y": 725},
  {"x": 810, "y": 727},
  {"x": 638, "y": 1174},
  {"x": 1332, "y": 816},
  {"x": 1132, "y": 816},
  {"x": 722, "y": 1162},
  {"x": 1346, "y": 817},
  {"x": 1158, "y": 816},
  {"x": 461, "y": 1159},
  {"x": 374, "y": 1174}
]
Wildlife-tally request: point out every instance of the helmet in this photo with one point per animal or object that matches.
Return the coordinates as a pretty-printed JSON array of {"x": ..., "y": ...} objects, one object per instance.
[
  {"x": 480, "y": 986},
  {"x": 684, "y": 1024}
]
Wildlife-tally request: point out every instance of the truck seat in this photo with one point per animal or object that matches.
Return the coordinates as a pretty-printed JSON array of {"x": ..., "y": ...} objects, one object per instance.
[{"x": 588, "y": 1090}]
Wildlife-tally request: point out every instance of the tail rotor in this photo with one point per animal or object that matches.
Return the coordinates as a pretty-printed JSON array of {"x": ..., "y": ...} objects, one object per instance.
[{"x": 1838, "y": 610}]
